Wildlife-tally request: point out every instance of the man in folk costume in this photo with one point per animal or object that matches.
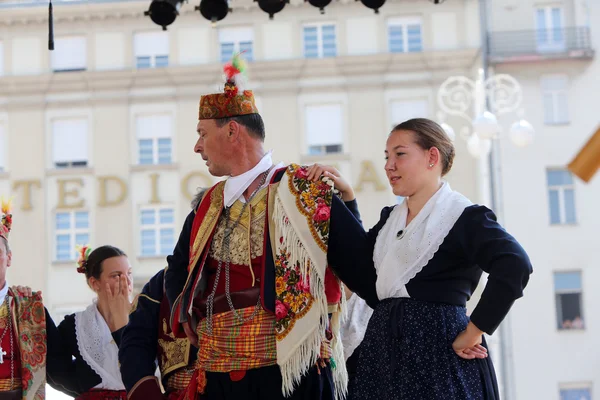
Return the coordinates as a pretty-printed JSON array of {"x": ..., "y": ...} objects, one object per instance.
[
  {"x": 248, "y": 280},
  {"x": 148, "y": 340},
  {"x": 23, "y": 318}
]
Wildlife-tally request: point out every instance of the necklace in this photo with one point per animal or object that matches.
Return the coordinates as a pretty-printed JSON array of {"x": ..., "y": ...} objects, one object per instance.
[
  {"x": 8, "y": 328},
  {"x": 225, "y": 256}
]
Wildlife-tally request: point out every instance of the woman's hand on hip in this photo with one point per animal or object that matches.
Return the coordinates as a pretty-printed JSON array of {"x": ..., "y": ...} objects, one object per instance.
[{"x": 467, "y": 344}]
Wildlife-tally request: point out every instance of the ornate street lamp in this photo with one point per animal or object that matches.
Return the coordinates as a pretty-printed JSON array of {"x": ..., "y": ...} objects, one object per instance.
[{"x": 462, "y": 97}]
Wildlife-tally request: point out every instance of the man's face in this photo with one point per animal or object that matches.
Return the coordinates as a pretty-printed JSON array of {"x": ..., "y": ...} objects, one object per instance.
[
  {"x": 5, "y": 259},
  {"x": 215, "y": 146}
]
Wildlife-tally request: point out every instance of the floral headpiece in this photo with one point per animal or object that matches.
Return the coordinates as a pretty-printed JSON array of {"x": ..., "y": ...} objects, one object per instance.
[
  {"x": 6, "y": 217},
  {"x": 84, "y": 254},
  {"x": 234, "y": 101}
]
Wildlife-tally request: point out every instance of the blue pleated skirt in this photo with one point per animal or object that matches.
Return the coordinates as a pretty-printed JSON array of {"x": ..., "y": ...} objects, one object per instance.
[{"x": 407, "y": 354}]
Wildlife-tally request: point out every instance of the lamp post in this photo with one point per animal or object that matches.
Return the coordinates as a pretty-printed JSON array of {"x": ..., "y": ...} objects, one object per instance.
[
  {"x": 487, "y": 98},
  {"x": 479, "y": 103}
]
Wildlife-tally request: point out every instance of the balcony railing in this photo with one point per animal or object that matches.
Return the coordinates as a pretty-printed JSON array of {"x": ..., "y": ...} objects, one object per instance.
[{"x": 532, "y": 45}]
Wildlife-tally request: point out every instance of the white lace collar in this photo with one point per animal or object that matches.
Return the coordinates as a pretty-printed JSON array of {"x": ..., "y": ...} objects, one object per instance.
[
  {"x": 398, "y": 258},
  {"x": 97, "y": 347}
]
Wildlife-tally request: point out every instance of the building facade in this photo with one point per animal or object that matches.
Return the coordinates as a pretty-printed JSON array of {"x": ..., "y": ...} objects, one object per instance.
[
  {"x": 97, "y": 136},
  {"x": 549, "y": 47}
]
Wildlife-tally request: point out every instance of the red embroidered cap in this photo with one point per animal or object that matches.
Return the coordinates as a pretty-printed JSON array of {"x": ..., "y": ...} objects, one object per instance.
[{"x": 233, "y": 101}]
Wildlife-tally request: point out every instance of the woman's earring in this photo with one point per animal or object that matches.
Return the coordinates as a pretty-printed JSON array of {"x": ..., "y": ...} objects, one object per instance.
[{"x": 430, "y": 165}]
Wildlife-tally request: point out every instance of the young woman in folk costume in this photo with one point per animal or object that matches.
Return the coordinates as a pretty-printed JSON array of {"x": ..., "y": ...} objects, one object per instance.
[
  {"x": 417, "y": 268},
  {"x": 90, "y": 338},
  {"x": 29, "y": 340}
]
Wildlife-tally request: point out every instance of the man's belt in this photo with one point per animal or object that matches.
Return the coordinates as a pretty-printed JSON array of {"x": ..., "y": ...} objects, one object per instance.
[
  {"x": 242, "y": 299},
  {"x": 11, "y": 395}
]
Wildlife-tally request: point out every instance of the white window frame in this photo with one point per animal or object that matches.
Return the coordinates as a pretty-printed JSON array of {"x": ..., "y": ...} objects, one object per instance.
[
  {"x": 562, "y": 209},
  {"x": 403, "y": 23},
  {"x": 155, "y": 139},
  {"x": 545, "y": 81},
  {"x": 156, "y": 227},
  {"x": 71, "y": 163},
  {"x": 319, "y": 26},
  {"x": 324, "y": 146},
  {"x": 552, "y": 45},
  {"x": 576, "y": 386},
  {"x": 232, "y": 35},
  {"x": 83, "y": 113},
  {"x": 152, "y": 55},
  {"x": 58, "y": 55},
  {"x": 151, "y": 109},
  {"x": 409, "y": 94},
  {"x": 579, "y": 291},
  {"x": 323, "y": 99},
  {"x": 424, "y": 100},
  {"x": 72, "y": 231}
]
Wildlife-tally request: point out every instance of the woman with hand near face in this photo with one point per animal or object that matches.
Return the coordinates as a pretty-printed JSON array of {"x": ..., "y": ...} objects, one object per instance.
[
  {"x": 417, "y": 267},
  {"x": 90, "y": 338}
]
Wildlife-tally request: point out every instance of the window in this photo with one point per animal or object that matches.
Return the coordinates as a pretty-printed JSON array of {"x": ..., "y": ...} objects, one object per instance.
[
  {"x": 404, "y": 35},
  {"x": 235, "y": 40},
  {"x": 403, "y": 110},
  {"x": 567, "y": 288},
  {"x": 151, "y": 49},
  {"x": 157, "y": 231},
  {"x": 70, "y": 142},
  {"x": 549, "y": 29},
  {"x": 324, "y": 129},
  {"x": 71, "y": 229},
  {"x": 555, "y": 98},
  {"x": 154, "y": 139},
  {"x": 3, "y": 146},
  {"x": 561, "y": 197},
  {"x": 69, "y": 54},
  {"x": 320, "y": 41},
  {"x": 576, "y": 392}
]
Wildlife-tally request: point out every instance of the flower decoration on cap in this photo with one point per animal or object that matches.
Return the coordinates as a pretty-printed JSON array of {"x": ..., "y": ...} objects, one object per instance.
[
  {"x": 84, "y": 254},
  {"x": 234, "y": 101},
  {"x": 6, "y": 217}
]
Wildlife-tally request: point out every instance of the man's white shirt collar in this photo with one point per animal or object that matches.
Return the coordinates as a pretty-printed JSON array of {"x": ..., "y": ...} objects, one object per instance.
[
  {"x": 235, "y": 186},
  {"x": 4, "y": 292}
]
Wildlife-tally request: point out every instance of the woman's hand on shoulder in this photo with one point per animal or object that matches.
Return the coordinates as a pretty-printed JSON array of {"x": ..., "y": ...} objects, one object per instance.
[{"x": 316, "y": 171}]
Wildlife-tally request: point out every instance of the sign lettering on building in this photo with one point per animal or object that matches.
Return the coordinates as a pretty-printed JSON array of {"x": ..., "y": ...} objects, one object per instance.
[{"x": 112, "y": 190}]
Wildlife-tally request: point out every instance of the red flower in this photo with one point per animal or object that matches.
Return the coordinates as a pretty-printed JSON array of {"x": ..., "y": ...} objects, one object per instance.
[
  {"x": 301, "y": 173},
  {"x": 303, "y": 286},
  {"x": 323, "y": 187},
  {"x": 26, "y": 377},
  {"x": 281, "y": 310},
  {"x": 322, "y": 214}
]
